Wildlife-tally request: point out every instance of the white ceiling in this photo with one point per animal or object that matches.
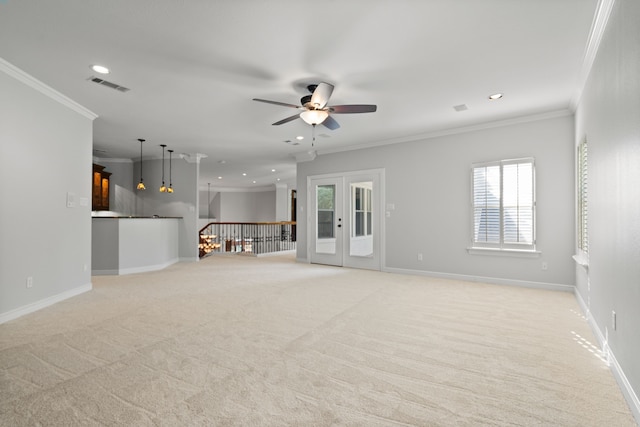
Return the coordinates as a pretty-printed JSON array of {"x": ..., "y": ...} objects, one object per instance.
[{"x": 194, "y": 66}]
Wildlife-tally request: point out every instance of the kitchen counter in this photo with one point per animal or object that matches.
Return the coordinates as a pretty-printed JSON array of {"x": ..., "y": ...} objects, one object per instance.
[{"x": 126, "y": 245}]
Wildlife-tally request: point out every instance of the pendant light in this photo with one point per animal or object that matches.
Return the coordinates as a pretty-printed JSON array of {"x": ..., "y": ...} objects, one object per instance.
[
  {"x": 141, "y": 183},
  {"x": 163, "y": 188},
  {"x": 170, "y": 189}
]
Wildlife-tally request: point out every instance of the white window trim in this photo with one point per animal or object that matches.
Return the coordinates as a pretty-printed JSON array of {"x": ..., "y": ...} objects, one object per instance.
[
  {"x": 516, "y": 253},
  {"x": 504, "y": 249},
  {"x": 582, "y": 232}
]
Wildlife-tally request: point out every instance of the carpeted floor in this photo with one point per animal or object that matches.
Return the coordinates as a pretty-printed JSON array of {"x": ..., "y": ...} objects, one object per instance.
[{"x": 242, "y": 341}]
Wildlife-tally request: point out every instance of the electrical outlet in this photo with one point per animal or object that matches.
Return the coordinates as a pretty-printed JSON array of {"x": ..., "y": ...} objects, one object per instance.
[
  {"x": 29, "y": 282},
  {"x": 544, "y": 265},
  {"x": 419, "y": 257}
]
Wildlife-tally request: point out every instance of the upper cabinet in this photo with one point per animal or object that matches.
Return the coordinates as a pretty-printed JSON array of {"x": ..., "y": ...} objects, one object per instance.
[{"x": 100, "y": 189}]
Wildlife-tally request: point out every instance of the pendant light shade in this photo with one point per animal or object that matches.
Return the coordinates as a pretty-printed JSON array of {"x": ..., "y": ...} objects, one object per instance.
[
  {"x": 163, "y": 188},
  {"x": 141, "y": 183},
  {"x": 170, "y": 189}
]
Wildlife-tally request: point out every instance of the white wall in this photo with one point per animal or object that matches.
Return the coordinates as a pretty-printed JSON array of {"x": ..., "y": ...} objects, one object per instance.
[
  {"x": 243, "y": 206},
  {"x": 208, "y": 210},
  {"x": 45, "y": 152},
  {"x": 283, "y": 204},
  {"x": 608, "y": 116},
  {"x": 429, "y": 183},
  {"x": 183, "y": 202}
]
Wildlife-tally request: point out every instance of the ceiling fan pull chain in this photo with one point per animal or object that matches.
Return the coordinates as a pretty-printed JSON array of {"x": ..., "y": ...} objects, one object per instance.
[{"x": 313, "y": 134}]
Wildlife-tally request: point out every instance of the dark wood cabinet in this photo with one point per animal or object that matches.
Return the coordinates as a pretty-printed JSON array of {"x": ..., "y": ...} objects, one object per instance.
[{"x": 100, "y": 189}]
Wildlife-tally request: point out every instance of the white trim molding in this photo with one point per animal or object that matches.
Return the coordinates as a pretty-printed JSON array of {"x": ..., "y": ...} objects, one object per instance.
[
  {"x": 21, "y": 76},
  {"x": 39, "y": 305},
  {"x": 600, "y": 20},
  {"x": 192, "y": 158},
  {"x": 623, "y": 382},
  {"x": 134, "y": 270},
  {"x": 481, "y": 279},
  {"x": 452, "y": 131}
]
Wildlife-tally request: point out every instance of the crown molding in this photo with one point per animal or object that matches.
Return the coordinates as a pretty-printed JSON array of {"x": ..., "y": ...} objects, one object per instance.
[
  {"x": 21, "y": 76},
  {"x": 452, "y": 131},
  {"x": 306, "y": 156},
  {"x": 598, "y": 26},
  {"x": 192, "y": 158},
  {"x": 110, "y": 160},
  {"x": 259, "y": 189}
]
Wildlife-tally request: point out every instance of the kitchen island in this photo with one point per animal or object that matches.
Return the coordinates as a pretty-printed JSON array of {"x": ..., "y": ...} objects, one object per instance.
[{"x": 126, "y": 244}]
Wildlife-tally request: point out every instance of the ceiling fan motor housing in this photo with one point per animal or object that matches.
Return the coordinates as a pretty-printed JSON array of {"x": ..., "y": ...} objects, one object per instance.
[{"x": 306, "y": 101}]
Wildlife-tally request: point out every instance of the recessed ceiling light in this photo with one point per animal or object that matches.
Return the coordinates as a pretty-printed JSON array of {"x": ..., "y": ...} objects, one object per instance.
[
  {"x": 254, "y": 182},
  {"x": 273, "y": 170},
  {"x": 222, "y": 162},
  {"x": 244, "y": 174},
  {"x": 495, "y": 96},
  {"x": 300, "y": 137},
  {"x": 100, "y": 69},
  {"x": 278, "y": 179},
  {"x": 219, "y": 177}
]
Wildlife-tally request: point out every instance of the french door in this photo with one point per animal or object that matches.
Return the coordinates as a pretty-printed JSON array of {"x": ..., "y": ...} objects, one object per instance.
[{"x": 345, "y": 219}]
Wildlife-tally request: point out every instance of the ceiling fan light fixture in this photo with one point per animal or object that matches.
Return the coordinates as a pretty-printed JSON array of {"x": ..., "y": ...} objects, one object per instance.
[{"x": 314, "y": 117}]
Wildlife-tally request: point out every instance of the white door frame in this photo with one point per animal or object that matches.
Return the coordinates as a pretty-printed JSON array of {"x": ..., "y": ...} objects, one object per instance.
[{"x": 377, "y": 207}]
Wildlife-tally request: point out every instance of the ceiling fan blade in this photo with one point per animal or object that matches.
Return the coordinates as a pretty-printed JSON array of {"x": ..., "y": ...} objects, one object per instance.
[
  {"x": 283, "y": 104},
  {"x": 351, "y": 109},
  {"x": 321, "y": 95},
  {"x": 287, "y": 120},
  {"x": 331, "y": 123}
]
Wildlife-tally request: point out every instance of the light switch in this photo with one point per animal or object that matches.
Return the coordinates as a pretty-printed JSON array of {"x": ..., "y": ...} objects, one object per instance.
[{"x": 71, "y": 200}]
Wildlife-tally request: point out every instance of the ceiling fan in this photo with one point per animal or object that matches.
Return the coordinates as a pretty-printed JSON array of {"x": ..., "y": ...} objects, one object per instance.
[{"x": 315, "y": 110}]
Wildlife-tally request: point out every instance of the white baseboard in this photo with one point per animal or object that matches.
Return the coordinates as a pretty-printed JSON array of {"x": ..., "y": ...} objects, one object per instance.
[
  {"x": 105, "y": 272},
  {"x": 147, "y": 268},
  {"x": 627, "y": 390},
  {"x": 268, "y": 254},
  {"x": 133, "y": 270},
  {"x": 480, "y": 279},
  {"x": 38, "y": 305}
]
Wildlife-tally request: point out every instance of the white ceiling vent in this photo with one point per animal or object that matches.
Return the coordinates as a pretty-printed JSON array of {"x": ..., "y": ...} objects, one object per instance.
[
  {"x": 461, "y": 107},
  {"x": 106, "y": 83}
]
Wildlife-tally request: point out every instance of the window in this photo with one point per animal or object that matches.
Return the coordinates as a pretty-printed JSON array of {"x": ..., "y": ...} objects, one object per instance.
[
  {"x": 361, "y": 202},
  {"x": 583, "y": 235},
  {"x": 325, "y": 196},
  {"x": 504, "y": 205}
]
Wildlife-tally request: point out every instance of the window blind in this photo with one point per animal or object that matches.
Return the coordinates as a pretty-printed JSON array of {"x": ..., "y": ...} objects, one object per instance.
[
  {"x": 504, "y": 204},
  {"x": 583, "y": 235}
]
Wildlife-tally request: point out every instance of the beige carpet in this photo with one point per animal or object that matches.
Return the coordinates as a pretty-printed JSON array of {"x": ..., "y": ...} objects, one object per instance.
[{"x": 242, "y": 341}]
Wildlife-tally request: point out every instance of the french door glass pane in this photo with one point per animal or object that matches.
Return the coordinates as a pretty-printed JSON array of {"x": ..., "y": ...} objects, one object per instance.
[{"x": 326, "y": 211}]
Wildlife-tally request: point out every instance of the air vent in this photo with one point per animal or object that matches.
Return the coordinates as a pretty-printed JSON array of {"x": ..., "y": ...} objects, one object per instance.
[
  {"x": 461, "y": 107},
  {"x": 106, "y": 83}
]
